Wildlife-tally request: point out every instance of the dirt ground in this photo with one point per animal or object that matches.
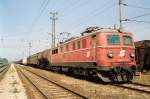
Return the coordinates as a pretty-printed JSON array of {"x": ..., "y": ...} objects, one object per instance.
[
  {"x": 143, "y": 79},
  {"x": 11, "y": 86}
]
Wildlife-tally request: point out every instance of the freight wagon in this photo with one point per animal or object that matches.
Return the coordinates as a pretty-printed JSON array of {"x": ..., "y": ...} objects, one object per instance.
[
  {"x": 40, "y": 59},
  {"x": 143, "y": 54}
]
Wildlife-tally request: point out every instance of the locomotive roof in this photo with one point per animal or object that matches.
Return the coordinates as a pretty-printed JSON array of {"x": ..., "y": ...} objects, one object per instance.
[{"x": 102, "y": 30}]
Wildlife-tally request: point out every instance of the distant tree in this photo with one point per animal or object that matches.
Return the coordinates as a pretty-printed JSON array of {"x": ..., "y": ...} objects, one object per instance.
[{"x": 3, "y": 61}]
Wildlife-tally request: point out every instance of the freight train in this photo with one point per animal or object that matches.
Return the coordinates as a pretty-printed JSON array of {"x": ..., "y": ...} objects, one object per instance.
[
  {"x": 104, "y": 53},
  {"x": 142, "y": 51}
]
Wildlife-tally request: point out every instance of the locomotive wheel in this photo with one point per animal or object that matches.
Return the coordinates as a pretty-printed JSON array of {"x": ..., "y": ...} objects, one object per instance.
[
  {"x": 113, "y": 76},
  {"x": 124, "y": 75},
  {"x": 129, "y": 75},
  {"x": 116, "y": 74},
  {"x": 119, "y": 74}
]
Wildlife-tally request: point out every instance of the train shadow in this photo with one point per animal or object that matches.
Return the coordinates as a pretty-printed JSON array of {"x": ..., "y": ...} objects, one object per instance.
[
  {"x": 92, "y": 79},
  {"x": 82, "y": 77}
]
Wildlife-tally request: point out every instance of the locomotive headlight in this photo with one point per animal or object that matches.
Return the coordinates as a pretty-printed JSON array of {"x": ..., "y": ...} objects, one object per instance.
[
  {"x": 132, "y": 55},
  {"x": 110, "y": 54}
]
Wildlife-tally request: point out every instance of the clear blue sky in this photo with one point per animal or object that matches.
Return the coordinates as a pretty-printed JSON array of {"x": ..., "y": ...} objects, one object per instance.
[{"x": 29, "y": 20}]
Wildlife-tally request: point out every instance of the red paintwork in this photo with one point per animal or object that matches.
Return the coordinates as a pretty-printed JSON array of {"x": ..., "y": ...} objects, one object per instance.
[{"x": 97, "y": 54}]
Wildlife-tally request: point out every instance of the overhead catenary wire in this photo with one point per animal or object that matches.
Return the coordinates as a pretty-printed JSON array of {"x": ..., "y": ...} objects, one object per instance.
[
  {"x": 140, "y": 21},
  {"x": 74, "y": 5},
  {"x": 140, "y": 16},
  {"x": 134, "y": 19},
  {"x": 42, "y": 8},
  {"x": 97, "y": 11},
  {"x": 104, "y": 10},
  {"x": 71, "y": 5},
  {"x": 134, "y": 6}
]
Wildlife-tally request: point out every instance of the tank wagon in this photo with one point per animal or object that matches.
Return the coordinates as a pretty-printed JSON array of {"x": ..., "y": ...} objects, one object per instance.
[
  {"x": 39, "y": 60},
  {"x": 104, "y": 53},
  {"x": 142, "y": 50},
  {"x": 43, "y": 59}
]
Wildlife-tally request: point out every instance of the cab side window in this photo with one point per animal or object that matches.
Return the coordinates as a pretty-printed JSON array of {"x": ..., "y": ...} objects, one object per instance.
[
  {"x": 78, "y": 44},
  {"x": 67, "y": 47},
  {"x": 94, "y": 41},
  {"x": 127, "y": 40},
  {"x": 84, "y": 43},
  {"x": 73, "y": 46}
]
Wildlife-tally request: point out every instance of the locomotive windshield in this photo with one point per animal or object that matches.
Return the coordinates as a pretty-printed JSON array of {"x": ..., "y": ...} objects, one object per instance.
[
  {"x": 113, "y": 39},
  {"x": 127, "y": 40}
]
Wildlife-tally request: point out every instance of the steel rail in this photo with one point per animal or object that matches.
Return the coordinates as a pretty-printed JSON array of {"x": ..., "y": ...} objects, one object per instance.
[
  {"x": 4, "y": 68},
  {"x": 3, "y": 71},
  {"x": 131, "y": 88},
  {"x": 145, "y": 85},
  {"x": 33, "y": 84},
  {"x": 76, "y": 93}
]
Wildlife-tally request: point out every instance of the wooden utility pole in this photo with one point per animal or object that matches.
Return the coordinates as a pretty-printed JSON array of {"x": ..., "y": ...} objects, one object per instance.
[
  {"x": 53, "y": 18},
  {"x": 121, "y": 28}
]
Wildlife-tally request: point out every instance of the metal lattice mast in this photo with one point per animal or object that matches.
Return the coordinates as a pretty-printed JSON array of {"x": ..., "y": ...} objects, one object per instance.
[
  {"x": 121, "y": 28},
  {"x": 30, "y": 48},
  {"x": 53, "y": 18}
]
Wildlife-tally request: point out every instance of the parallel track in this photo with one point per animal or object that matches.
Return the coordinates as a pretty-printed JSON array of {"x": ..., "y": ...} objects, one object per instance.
[
  {"x": 3, "y": 70},
  {"x": 30, "y": 81},
  {"x": 135, "y": 83},
  {"x": 135, "y": 87},
  {"x": 54, "y": 87}
]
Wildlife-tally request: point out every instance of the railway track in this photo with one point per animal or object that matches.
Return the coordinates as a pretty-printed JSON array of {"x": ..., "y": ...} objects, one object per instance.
[
  {"x": 145, "y": 85},
  {"x": 3, "y": 70},
  {"x": 49, "y": 89},
  {"x": 135, "y": 87}
]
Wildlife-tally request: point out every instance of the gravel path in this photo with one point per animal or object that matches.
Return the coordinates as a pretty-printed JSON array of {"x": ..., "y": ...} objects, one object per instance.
[{"x": 11, "y": 87}]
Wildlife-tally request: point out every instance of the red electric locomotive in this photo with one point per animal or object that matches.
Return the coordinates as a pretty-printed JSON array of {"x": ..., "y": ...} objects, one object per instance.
[{"x": 105, "y": 53}]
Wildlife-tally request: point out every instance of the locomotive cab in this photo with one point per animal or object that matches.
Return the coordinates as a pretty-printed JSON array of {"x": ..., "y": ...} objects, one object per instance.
[{"x": 116, "y": 55}]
